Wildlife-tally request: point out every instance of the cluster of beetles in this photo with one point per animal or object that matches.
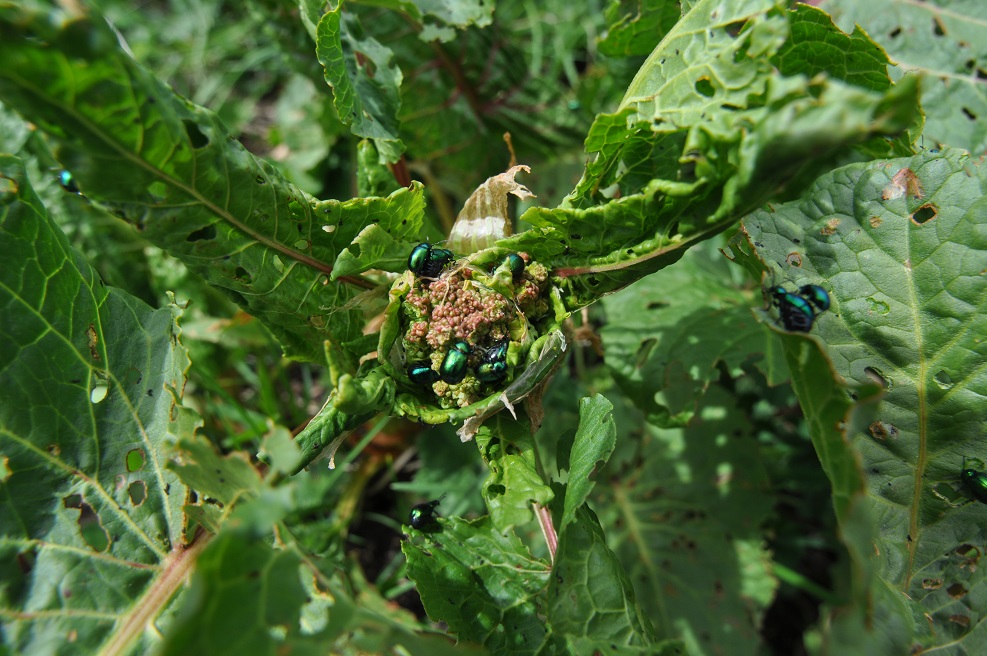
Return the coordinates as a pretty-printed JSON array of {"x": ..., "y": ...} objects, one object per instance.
[{"x": 428, "y": 261}]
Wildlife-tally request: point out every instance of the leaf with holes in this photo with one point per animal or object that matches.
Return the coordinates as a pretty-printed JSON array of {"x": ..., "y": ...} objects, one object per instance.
[
  {"x": 483, "y": 583},
  {"x": 365, "y": 84},
  {"x": 946, "y": 42},
  {"x": 719, "y": 119},
  {"x": 92, "y": 381},
  {"x": 901, "y": 246},
  {"x": 667, "y": 337},
  {"x": 685, "y": 513},
  {"x": 171, "y": 169}
]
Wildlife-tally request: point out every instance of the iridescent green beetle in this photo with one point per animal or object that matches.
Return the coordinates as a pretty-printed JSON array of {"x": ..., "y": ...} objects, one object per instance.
[
  {"x": 494, "y": 365},
  {"x": 974, "y": 482},
  {"x": 517, "y": 264},
  {"x": 422, "y": 516},
  {"x": 428, "y": 261},
  {"x": 454, "y": 365},
  {"x": 795, "y": 312},
  {"x": 815, "y": 295},
  {"x": 68, "y": 182},
  {"x": 421, "y": 373}
]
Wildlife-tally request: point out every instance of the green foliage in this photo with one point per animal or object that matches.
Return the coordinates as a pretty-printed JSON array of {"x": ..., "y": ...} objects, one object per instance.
[
  {"x": 658, "y": 467},
  {"x": 942, "y": 41}
]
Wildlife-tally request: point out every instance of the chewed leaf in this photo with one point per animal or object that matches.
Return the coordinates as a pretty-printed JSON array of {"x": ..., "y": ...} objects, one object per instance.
[
  {"x": 171, "y": 169},
  {"x": 719, "y": 119},
  {"x": 933, "y": 39},
  {"x": 90, "y": 508},
  {"x": 900, "y": 245},
  {"x": 365, "y": 84}
]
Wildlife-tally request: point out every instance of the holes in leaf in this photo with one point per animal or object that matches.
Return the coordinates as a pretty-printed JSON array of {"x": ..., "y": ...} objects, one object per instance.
[
  {"x": 882, "y": 431},
  {"x": 644, "y": 351},
  {"x": 496, "y": 491},
  {"x": 705, "y": 88},
  {"x": 794, "y": 259},
  {"x": 195, "y": 135},
  {"x": 134, "y": 376},
  {"x": 878, "y": 377},
  {"x": 260, "y": 180},
  {"x": 90, "y": 527},
  {"x": 136, "y": 460},
  {"x": 137, "y": 491},
  {"x": 937, "y": 27},
  {"x": 877, "y": 307},
  {"x": 956, "y": 591},
  {"x": 26, "y": 560},
  {"x": 943, "y": 380},
  {"x": 924, "y": 213},
  {"x": 734, "y": 29},
  {"x": 158, "y": 191},
  {"x": 8, "y": 186},
  {"x": 93, "y": 340},
  {"x": 932, "y": 584},
  {"x": 242, "y": 275},
  {"x": 206, "y": 233},
  {"x": 962, "y": 620},
  {"x": 99, "y": 392},
  {"x": 278, "y": 264}
]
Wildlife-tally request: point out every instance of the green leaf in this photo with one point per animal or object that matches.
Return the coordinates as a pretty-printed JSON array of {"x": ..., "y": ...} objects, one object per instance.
[
  {"x": 708, "y": 130},
  {"x": 484, "y": 584},
  {"x": 944, "y": 41},
  {"x": 354, "y": 401},
  {"x": 170, "y": 168},
  {"x": 233, "y": 574},
  {"x": 634, "y": 27},
  {"x": 365, "y": 85},
  {"x": 901, "y": 246},
  {"x": 393, "y": 229},
  {"x": 592, "y": 607},
  {"x": 685, "y": 509},
  {"x": 514, "y": 483},
  {"x": 91, "y": 381},
  {"x": 594, "y": 442},
  {"x": 655, "y": 328}
]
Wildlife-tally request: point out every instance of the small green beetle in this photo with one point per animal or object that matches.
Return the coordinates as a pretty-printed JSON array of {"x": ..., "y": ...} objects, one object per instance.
[
  {"x": 422, "y": 516},
  {"x": 428, "y": 261},
  {"x": 975, "y": 482},
  {"x": 454, "y": 365}
]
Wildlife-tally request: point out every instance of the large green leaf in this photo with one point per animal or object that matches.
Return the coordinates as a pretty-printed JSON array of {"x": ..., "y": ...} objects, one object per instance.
[
  {"x": 92, "y": 533},
  {"x": 945, "y": 41},
  {"x": 720, "y": 118},
  {"x": 485, "y": 585},
  {"x": 667, "y": 336},
  {"x": 686, "y": 506},
  {"x": 171, "y": 169},
  {"x": 902, "y": 246}
]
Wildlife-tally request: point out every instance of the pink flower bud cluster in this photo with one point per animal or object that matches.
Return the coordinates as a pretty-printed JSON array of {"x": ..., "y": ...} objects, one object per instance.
[{"x": 455, "y": 308}]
